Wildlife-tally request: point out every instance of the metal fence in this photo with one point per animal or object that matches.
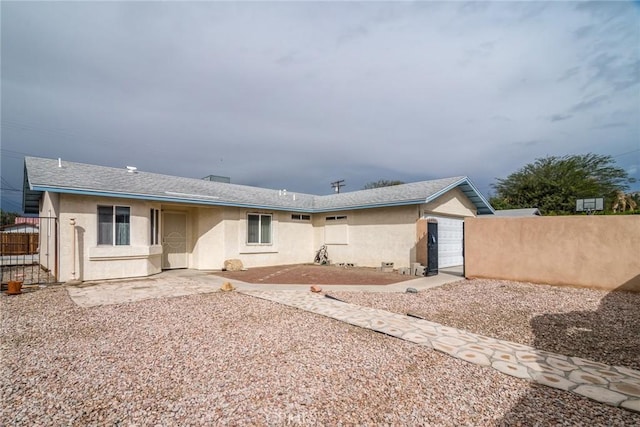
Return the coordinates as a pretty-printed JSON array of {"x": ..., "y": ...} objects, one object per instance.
[{"x": 29, "y": 253}]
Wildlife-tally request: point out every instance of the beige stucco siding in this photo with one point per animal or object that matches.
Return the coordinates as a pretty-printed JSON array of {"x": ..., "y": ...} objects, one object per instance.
[
  {"x": 49, "y": 211},
  {"x": 94, "y": 262},
  {"x": 292, "y": 240},
  {"x": 208, "y": 237},
  {"x": 295, "y": 239},
  {"x": 374, "y": 236},
  {"x": 217, "y": 234},
  {"x": 453, "y": 203}
]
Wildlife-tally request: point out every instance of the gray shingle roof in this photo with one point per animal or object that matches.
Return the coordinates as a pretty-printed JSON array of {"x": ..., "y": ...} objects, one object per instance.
[
  {"x": 412, "y": 193},
  {"x": 46, "y": 175}
]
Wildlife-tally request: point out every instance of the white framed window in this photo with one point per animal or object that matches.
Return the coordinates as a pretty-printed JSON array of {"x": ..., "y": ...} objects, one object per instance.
[
  {"x": 300, "y": 217},
  {"x": 259, "y": 229},
  {"x": 154, "y": 226},
  {"x": 114, "y": 225},
  {"x": 335, "y": 217}
]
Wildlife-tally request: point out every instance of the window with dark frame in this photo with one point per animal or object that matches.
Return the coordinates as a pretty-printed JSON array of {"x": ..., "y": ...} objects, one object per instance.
[
  {"x": 114, "y": 225},
  {"x": 154, "y": 226},
  {"x": 301, "y": 217},
  {"x": 259, "y": 229}
]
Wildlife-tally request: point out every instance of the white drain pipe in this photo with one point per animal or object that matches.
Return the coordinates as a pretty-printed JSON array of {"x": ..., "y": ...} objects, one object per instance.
[{"x": 72, "y": 222}]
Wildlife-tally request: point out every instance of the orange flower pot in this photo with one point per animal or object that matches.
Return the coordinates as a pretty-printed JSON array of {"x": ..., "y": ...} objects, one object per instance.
[{"x": 14, "y": 287}]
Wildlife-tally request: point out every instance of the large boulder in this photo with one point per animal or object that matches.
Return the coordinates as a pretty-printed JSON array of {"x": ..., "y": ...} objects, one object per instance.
[{"x": 233, "y": 265}]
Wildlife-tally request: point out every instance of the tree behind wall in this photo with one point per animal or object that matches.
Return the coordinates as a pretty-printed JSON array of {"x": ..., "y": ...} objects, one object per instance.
[
  {"x": 552, "y": 184},
  {"x": 381, "y": 183},
  {"x": 7, "y": 218}
]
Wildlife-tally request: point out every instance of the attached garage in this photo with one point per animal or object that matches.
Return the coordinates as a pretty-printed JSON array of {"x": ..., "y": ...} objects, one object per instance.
[{"x": 450, "y": 241}]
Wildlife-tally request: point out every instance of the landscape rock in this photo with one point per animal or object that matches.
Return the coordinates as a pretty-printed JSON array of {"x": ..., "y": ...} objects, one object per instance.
[
  {"x": 233, "y": 265},
  {"x": 226, "y": 286}
]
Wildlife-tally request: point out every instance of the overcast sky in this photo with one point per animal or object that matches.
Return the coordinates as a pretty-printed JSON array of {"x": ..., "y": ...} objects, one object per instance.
[{"x": 296, "y": 95}]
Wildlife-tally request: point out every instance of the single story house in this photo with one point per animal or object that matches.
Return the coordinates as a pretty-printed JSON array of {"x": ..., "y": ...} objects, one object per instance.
[{"x": 121, "y": 222}]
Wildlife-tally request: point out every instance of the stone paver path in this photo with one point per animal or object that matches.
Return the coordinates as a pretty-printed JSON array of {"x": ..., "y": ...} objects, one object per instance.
[{"x": 613, "y": 385}]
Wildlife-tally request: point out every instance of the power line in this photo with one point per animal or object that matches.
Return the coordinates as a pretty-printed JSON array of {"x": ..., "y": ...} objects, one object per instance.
[
  {"x": 14, "y": 151},
  {"x": 25, "y": 127},
  {"x": 13, "y": 156},
  {"x": 8, "y": 185},
  {"x": 12, "y": 204},
  {"x": 628, "y": 152}
]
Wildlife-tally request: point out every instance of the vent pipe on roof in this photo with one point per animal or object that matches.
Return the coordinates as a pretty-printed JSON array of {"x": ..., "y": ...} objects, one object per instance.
[{"x": 59, "y": 162}]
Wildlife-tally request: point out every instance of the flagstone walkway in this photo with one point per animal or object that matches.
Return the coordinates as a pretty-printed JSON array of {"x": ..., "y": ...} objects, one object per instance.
[{"x": 612, "y": 385}]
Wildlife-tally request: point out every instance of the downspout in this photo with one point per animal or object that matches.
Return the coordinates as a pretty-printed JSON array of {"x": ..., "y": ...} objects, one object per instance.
[{"x": 74, "y": 280}]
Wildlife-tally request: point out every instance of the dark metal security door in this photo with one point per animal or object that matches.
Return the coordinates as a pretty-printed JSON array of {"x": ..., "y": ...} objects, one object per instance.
[{"x": 432, "y": 248}]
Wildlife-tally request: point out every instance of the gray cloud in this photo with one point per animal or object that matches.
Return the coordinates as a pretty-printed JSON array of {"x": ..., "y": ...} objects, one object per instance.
[
  {"x": 570, "y": 73},
  {"x": 584, "y": 31},
  {"x": 588, "y": 103},
  {"x": 610, "y": 125},
  {"x": 530, "y": 143},
  {"x": 290, "y": 58},
  {"x": 559, "y": 117},
  {"x": 297, "y": 94},
  {"x": 352, "y": 34},
  {"x": 501, "y": 118},
  {"x": 615, "y": 69}
]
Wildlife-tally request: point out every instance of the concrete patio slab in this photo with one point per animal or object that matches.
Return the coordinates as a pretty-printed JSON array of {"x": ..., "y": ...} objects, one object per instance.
[
  {"x": 175, "y": 283},
  {"x": 92, "y": 294}
]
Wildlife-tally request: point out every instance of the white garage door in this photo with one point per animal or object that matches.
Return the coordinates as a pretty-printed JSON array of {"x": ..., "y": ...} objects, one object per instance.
[{"x": 450, "y": 240}]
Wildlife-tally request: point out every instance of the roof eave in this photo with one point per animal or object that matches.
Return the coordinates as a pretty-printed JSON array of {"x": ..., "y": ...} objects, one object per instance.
[
  {"x": 168, "y": 199},
  {"x": 30, "y": 198},
  {"x": 371, "y": 205},
  {"x": 484, "y": 207}
]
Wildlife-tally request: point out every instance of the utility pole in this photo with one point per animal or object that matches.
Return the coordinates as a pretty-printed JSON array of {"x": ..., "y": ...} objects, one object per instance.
[{"x": 337, "y": 185}]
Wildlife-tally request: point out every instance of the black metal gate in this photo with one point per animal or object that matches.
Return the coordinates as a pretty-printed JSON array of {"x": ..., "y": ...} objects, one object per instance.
[
  {"x": 432, "y": 248},
  {"x": 29, "y": 252}
]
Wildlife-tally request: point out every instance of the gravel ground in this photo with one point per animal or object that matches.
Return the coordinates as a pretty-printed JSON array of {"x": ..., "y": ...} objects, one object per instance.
[
  {"x": 592, "y": 324},
  {"x": 229, "y": 359}
]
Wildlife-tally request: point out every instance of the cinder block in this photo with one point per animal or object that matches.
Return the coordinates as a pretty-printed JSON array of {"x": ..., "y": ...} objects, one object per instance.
[
  {"x": 386, "y": 267},
  {"x": 404, "y": 271},
  {"x": 417, "y": 269}
]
